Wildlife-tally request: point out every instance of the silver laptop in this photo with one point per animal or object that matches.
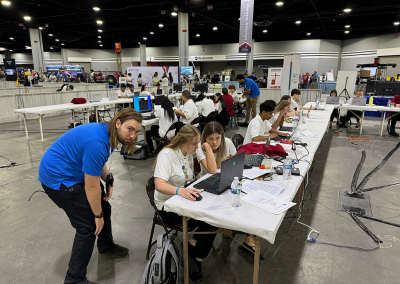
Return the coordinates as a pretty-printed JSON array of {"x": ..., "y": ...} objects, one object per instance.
[
  {"x": 359, "y": 101},
  {"x": 332, "y": 100},
  {"x": 320, "y": 107},
  {"x": 114, "y": 97},
  {"x": 96, "y": 98}
]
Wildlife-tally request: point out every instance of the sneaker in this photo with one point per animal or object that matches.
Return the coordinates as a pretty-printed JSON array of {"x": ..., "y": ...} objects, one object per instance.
[
  {"x": 87, "y": 282},
  {"x": 116, "y": 250},
  {"x": 394, "y": 133}
]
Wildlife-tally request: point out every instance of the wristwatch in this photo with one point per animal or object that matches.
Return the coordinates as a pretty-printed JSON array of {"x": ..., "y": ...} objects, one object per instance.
[{"x": 99, "y": 216}]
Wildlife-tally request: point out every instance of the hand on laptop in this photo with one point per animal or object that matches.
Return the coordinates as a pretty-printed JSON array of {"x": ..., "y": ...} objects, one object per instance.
[
  {"x": 187, "y": 193},
  {"x": 273, "y": 135},
  {"x": 283, "y": 134}
]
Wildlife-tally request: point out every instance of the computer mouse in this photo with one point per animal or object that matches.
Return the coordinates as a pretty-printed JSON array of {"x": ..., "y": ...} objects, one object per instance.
[
  {"x": 247, "y": 166},
  {"x": 198, "y": 198}
]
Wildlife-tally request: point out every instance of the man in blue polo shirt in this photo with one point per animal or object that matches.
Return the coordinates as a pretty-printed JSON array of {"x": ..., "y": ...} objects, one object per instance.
[
  {"x": 59, "y": 76},
  {"x": 251, "y": 92},
  {"x": 70, "y": 173},
  {"x": 65, "y": 76}
]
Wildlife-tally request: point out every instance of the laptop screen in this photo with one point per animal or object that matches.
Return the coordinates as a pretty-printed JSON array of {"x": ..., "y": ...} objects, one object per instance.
[{"x": 142, "y": 103}]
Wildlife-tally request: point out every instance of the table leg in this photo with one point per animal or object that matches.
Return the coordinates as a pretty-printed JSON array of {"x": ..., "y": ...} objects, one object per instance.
[
  {"x": 382, "y": 122},
  {"x": 299, "y": 198},
  {"x": 41, "y": 128},
  {"x": 144, "y": 134},
  {"x": 256, "y": 260},
  {"x": 73, "y": 117},
  {"x": 26, "y": 128},
  {"x": 97, "y": 116},
  {"x": 362, "y": 121},
  {"x": 185, "y": 250}
]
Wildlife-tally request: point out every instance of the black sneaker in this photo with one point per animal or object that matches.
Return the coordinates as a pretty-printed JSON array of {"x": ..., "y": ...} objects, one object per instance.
[
  {"x": 394, "y": 133},
  {"x": 87, "y": 282},
  {"x": 116, "y": 250}
]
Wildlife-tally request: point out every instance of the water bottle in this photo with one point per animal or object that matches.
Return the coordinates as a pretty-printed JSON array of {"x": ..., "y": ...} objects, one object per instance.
[
  {"x": 178, "y": 105},
  {"x": 287, "y": 168},
  {"x": 388, "y": 104},
  {"x": 232, "y": 122},
  {"x": 87, "y": 99},
  {"x": 317, "y": 104},
  {"x": 295, "y": 124},
  {"x": 303, "y": 119},
  {"x": 236, "y": 188}
]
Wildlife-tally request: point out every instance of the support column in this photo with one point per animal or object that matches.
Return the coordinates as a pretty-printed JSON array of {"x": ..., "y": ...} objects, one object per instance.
[
  {"x": 250, "y": 59},
  {"x": 64, "y": 54},
  {"x": 142, "y": 52},
  {"x": 183, "y": 37},
  {"x": 37, "y": 49}
]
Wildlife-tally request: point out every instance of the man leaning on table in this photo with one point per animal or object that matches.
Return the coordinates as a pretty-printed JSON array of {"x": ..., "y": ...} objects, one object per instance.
[{"x": 251, "y": 92}]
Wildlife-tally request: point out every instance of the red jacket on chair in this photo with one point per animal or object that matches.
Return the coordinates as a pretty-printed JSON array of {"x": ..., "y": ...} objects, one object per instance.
[{"x": 229, "y": 103}]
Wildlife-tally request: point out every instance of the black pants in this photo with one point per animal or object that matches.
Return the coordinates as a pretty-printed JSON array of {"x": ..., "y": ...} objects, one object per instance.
[
  {"x": 204, "y": 242},
  {"x": 393, "y": 121},
  {"x": 353, "y": 113},
  {"x": 74, "y": 202},
  {"x": 150, "y": 134},
  {"x": 335, "y": 114}
]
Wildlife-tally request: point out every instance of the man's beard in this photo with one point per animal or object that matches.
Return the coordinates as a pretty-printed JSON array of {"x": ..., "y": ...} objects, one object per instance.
[{"x": 122, "y": 141}]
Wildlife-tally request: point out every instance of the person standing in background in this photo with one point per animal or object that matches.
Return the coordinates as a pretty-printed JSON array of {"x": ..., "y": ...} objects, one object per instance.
[
  {"x": 251, "y": 92},
  {"x": 65, "y": 76},
  {"x": 171, "y": 79},
  {"x": 139, "y": 80},
  {"x": 155, "y": 79},
  {"x": 165, "y": 80}
]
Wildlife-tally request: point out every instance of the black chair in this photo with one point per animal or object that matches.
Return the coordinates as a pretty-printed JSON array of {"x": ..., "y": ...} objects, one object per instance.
[
  {"x": 195, "y": 121},
  {"x": 204, "y": 120},
  {"x": 162, "y": 142}
]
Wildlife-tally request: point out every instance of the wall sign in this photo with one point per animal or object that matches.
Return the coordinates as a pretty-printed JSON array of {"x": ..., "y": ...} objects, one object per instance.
[
  {"x": 246, "y": 26},
  {"x": 274, "y": 78}
]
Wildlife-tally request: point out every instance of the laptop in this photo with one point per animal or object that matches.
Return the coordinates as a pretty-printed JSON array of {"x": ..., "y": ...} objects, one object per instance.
[
  {"x": 96, "y": 98},
  {"x": 255, "y": 160},
  {"x": 320, "y": 107},
  {"x": 114, "y": 97},
  {"x": 220, "y": 182},
  {"x": 332, "y": 100},
  {"x": 159, "y": 91},
  {"x": 359, "y": 101},
  {"x": 286, "y": 128},
  {"x": 136, "y": 94},
  {"x": 142, "y": 104},
  {"x": 159, "y": 99}
]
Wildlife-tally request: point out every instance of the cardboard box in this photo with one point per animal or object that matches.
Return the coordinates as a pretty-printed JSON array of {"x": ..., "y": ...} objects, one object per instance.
[{"x": 365, "y": 73}]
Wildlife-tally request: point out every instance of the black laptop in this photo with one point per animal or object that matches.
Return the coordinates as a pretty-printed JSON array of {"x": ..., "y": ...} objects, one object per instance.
[
  {"x": 220, "y": 182},
  {"x": 136, "y": 94},
  {"x": 159, "y": 91}
]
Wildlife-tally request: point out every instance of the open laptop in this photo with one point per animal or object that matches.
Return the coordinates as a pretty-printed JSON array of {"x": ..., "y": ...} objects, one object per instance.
[
  {"x": 359, "y": 101},
  {"x": 255, "y": 160},
  {"x": 142, "y": 104},
  {"x": 220, "y": 182},
  {"x": 332, "y": 100},
  {"x": 159, "y": 91},
  {"x": 114, "y": 97},
  {"x": 96, "y": 98},
  {"x": 136, "y": 94},
  {"x": 321, "y": 106}
]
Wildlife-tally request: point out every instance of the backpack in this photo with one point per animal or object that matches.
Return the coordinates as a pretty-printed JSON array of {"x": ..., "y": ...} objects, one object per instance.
[
  {"x": 141, "y": 154},
  {"x": 92, "y": 117},
  {"x": 163, "y": 266}
]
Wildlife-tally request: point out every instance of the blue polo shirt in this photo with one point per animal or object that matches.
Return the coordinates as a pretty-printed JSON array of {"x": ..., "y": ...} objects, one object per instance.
[
  {"x": 82, "y": 150},
  {"x": 254, "y": 90},
  {"x": 65, "y": 75},
  {"x": 314, "y": 78},
  {"x": 59, "y": 76}
]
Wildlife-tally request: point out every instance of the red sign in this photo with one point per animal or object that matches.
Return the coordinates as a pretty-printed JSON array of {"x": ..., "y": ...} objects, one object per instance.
[
  {"x": 118, "y": 47},
  {"x": 35, "y": 41},
  {"x": 184, "y": 31}
]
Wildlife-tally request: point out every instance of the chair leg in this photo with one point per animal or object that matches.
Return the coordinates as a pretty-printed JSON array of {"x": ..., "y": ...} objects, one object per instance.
[
  {"x": 213, "y": 248},
  {"x": 151, "y": 238}
]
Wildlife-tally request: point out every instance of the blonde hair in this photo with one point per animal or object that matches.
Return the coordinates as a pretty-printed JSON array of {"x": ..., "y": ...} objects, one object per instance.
[
  {"x": 281, "y": 106},
  {"x": 186, "y": 134},
  {"x": 124, "y": 115},
  {"x": 210, "y": 129},
  {"x": 359, "y": 91}
]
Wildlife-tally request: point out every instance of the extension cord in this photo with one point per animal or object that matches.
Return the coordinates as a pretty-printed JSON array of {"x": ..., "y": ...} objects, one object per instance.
[{"x": 301, "y": 144}]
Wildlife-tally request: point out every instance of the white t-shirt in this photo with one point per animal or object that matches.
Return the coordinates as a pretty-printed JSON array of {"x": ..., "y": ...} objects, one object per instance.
[
  {"x": 128, "y": 92},
  {"x": 130, "y": 80},
  {"x": 53, "y": 78},
  {"x": 205, "y": 107},
  {"x": 139, "y": 80},
  {"x": 169, "y": 167},
  {"x": 218, "y": 106},
  {"x": 274, "y": 118},
  {"x": 257, "y": 127},
  {"x": 165, "y": 82},
  {"x": 294, "y": 104},
  {"x": 235, "y": 97},
  {"x": 122, "y": 94},
  {"x": 165, "y": 123},
  {"x": 201, "y": 155},
  {"x": 190, "y": 111},
  {"x": 145, "y": 93}
]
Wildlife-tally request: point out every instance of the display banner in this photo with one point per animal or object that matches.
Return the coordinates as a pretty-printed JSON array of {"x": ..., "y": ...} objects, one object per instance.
[
  {"x": 9, "y": 63},
  {"x": 295, "y": 72},
  {"x": 148, "y": 73},
  {"x": 329, "y": 75},
  {"x": 246, "y": 26},
  {"x": 274, "y": 78}
]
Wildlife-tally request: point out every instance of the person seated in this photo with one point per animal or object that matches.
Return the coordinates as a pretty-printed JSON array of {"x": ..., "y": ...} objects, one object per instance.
[
  {"x": 144, "y": 91},
  {"x": 214, "y": 148},
  {"x": 280, "y": 114},
  {"x": 219, "y": 103},
  {"x": 228, "y": 102},
  {"x": 204, "y": 106},
  {"x": 292, "y": 112},
  {"x": 296, "y": 103},
  {"x": 167, "y": 117},
  {"x": 188, "y": 111},
  {"x": 191, "y": 87},
  {"x": 130, "y": 91},
  {"x": 173, "y": 170},
  {"x": 394, "y": 117},
  {"x": 335, "y": 112},
  {"x": 354, "y": 113},
  {"x": 232, "y": 92},
  {"x": 122, "y": 92},
  {"x": 259, "y": 128},
  {"x": 71, "y": 88}
]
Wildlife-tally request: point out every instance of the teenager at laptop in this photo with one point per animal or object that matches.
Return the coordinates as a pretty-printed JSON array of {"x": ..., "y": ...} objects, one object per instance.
[
  {"x": 232, "y": 92},
  {"x": 188, "y": 111},
  {"x": 219, "y": 103},
  {"x": 167, "y": 118},
  {"x": 130, "y": 91},
  {"x": 228, "y": 101},
  {"x": 292, "y": 111},
  {"x": 354, "y": 113},
  {"x": 144, "y": 92},
  {"x": 214, "y": 148},
  {"x": 296, "y": 103},
  {"x": 173, "y": 170},
  {"x": 335, "y": 112},
  {"x": 280, "y": 114},
  {"x": 122, "y": 91},
  {"x": 260, "y": 129}
]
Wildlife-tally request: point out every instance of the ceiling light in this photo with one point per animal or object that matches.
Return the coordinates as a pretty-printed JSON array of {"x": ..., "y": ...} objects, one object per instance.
[
  {"x": 346, "y": 32},
  {"x": 27, "y": 18},
  {"x": 40, "y": 28},
  {"x": 347, "y": 10},
  {"x": 50, "y": 34},
  {"x": 308, "y": 34},
  {"x": 174, "y": 14},
  {"x": 215, "y": 28},
  {"x": 5, "y": 3},
  {"x": 239, "y": 19},
  {"x": 62, "y": 44},
  {"x": 57, "y": 39},
  {"x": 264, "y": 31},
  {"x": 98, "y": 36},
  {"x": 100, "y": 31},
  {"x": 279, "y": 3},
  {"x": 160, "y": 25},
  {"x": 99, "y": 41},
  {"x": 11, "y": 38},
  {"x": 99, "y": 22},
  {"x": 298, "y": 22},
  {"x": 396, "y": 23},
  {"x": 145, "y": 38},
  {"x": 347, "y": 26},
  {"x": 10, "y": 49},
  {"x": 96, "y": 8},
  {"x": 100, "y": 45},
  {"x": 197, "y": 35},
  {"x": 51, "y": 47},
  {"x": 152, "y": 33}
]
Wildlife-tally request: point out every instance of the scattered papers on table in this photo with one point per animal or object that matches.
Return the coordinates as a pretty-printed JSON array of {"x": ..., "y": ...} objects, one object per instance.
[
  {"x": 254, "y": 172},
  {"x": 308, "y": 133},
  {"x": 268, "y": 202},
  {"x": 316, "y": 117},
  {"x": 316, "y": 120},
  {"x": 254, "y": 185}
]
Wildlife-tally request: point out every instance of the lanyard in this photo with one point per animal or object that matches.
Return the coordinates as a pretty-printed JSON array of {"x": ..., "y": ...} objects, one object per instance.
[{"x": 185, "y": 170}]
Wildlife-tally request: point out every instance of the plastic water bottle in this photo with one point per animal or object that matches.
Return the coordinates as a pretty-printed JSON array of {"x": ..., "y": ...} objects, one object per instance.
[
  {"x": 236, "y": 188},
  {"x": 388, "y": 104},
  {"x": 287, "y": 168},
  {"x": 303, "y": 119},
  {"x": 178, "y": 105},
  {"x": 87, "y": 99},
  {"x": 295, "y": 122},
  {"x": 317, "y": 104},
  {"x": 232, "y": 122}
]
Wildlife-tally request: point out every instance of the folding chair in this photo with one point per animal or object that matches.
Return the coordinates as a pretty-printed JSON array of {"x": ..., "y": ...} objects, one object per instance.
[{"x": 162, "y": 142}]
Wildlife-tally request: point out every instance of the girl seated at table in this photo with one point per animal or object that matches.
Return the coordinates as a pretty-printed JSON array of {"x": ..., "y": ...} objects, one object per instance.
[
  {"x": 144, "y": 91},
  {"x": 335, "y": 112},
  {"x": 219, "y": 103},
  {"x": 354, "y": 113},
  {"x": 284, "y": 108},
  {"x": 213, "y": 148},
  {"x": 173, "y": 170},
  {"x": 292, "y": 112},
  {"x": 167, "y": 117}
]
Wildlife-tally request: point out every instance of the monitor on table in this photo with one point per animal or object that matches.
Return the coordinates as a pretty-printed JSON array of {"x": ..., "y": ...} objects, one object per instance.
[
  {"x": 186, "y": 70},
  {"x": 159, "y": 91},
  {"x": 142, "y": 103}
]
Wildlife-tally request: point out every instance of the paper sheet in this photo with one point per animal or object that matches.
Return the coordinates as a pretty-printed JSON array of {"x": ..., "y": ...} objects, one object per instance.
[
  {"x": 254, "y": 172},
  {"x": 268, "y": 202},
  {"x": 316, "y": 120},
  {"x": 254, "y": 185},
  {"x": 308, "y": 133},
  {"x": 316, "y": 117}
]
